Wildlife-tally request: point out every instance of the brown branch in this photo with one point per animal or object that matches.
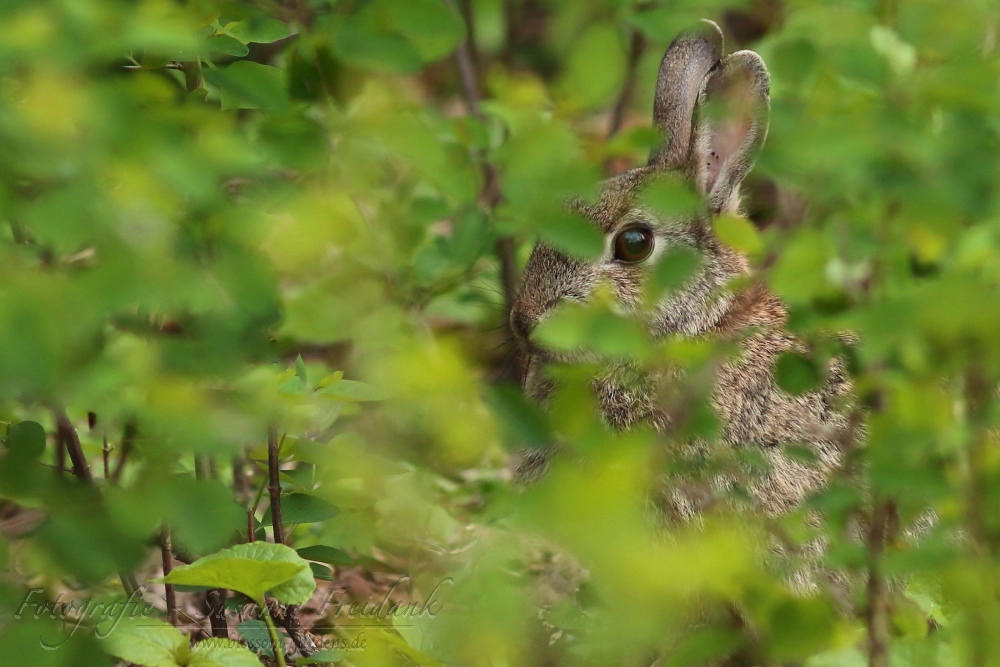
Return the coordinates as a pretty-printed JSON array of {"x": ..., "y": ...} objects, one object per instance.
[
  {"x": 287, "y": 617},
  {"x": 70, "y": 440},
  {"x": 215, "y": 598},
  {"x": 166, "y": 558},
  {"x": 60, "y": 457},
  {"x": 106, "y": 458},
  {"x": 215, "y": 603},
  {"x": 274, "y": 484},
  {"x": 877, "y": 613},
  {"x": 636, "y": 47},
  {"x": 128, "y": 441}
]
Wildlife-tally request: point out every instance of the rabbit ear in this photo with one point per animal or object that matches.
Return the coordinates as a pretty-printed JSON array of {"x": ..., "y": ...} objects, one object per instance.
[
  {"x": 688, "y": 60},
  {"x": 730, "y": 126}
]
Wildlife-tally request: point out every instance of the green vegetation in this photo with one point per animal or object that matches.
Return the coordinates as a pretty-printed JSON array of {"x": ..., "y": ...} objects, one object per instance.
[{"x": 257, "y": 255}]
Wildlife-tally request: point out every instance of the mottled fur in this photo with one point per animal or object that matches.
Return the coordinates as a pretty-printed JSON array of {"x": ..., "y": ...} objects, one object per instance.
[{"x": 712, "y": 112}]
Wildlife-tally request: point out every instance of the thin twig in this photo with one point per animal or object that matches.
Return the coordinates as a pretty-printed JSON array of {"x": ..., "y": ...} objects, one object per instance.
[
  {"x": 252, "y": 511},
  {"x": 166, "y": 557},
  {"x": 636, "y": 47},
  {"x": 215, "y": 598},
  {"x": 128, "y": 441},
  {"x": 877, "y": 616},
  {"x": 491, "y": 193},
  {"x": 106, "y": 457},
  {"x": 274, "y": 484},
  {"x": 60, "y": 457},
  {"x": 70, "y": 440}
]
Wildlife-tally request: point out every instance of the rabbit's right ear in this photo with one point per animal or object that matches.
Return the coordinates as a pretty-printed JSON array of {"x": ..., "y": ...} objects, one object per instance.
[{"x": 688, "y": 60}]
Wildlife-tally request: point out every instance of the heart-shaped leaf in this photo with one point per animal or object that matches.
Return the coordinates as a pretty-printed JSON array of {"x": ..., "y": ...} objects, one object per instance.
[
  {"x": 221, "y": 653},
  {"x": 151, "y": 643},
  {"x": 252, "y": 569},
  {"x": 26, "y": 439}
]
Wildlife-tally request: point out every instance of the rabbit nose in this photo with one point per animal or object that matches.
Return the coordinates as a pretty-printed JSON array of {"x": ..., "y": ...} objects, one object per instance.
[{"x": 521, "y": 324}]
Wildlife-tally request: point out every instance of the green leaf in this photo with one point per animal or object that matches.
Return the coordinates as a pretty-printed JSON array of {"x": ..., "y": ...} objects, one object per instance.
[
  {"x": 430, "y": 26},
  {"x": 738, "y": 233},
  {"x": 671, "y": 198},
  {"x": 322, "y": 657},
  {"x": 250, "y": 85},
  {"x": 303, "y": 508},
  {"x": 571, "y": 234},
  {"x": 26, "y": 439},
  {"x": 595, "y": 66},
  {"x": 300, "y": 370},
  {"x": 352, "y": 390},
  {"x": 524, "y": 424},
  {"x": 218, "y": 652},
  {"x": 254, "y": 632},
  {"x": 262, "y": 30},
  {"x": 324, "y": 554},
  {"x": 799, "y": 274},
  {"x": 252, "y": 569},
  {"x": 321, "y": 572},
  {"x": 672, "y": 270},
  {"x": 797, "y": 374},
  {"x": 226, "y": 45},
  {"x": 148, "y": 642}
]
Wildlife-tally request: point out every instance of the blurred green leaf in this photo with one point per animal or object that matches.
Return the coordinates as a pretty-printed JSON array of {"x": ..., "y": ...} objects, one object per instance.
[
  {"x": 250, "y": 85},
  {"x": 258, "y": 29},
  {"x": 26, "y": 440},
  {"x": 738, "y": 233},
  {"x": 302, "y": 508},
  {"x": 226, "y": 45},
  {"x": 325, "y": 554},
  {"x": 797, "y": 374}
]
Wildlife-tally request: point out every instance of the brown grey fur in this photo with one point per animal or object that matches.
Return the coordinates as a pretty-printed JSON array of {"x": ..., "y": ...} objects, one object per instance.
[{"x": 712, "y": 112}]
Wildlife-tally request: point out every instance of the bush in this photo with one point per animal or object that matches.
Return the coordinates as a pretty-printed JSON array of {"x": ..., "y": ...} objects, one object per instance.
[{"x": 267, "y": 249}]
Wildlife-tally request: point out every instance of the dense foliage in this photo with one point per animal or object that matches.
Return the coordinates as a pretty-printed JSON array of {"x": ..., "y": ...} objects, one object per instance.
[{"x": 241, "y": 236}]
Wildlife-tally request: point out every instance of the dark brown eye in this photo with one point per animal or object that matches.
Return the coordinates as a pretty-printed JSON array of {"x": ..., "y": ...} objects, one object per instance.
[{"x": 633, "y": 244}]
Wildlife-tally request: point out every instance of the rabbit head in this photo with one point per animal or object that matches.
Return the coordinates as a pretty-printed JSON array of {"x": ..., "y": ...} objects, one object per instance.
[{"x": 712, "y": 113}]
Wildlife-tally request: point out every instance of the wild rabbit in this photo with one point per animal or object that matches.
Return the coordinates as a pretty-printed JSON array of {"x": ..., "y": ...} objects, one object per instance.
[{"x": 713, "y": 151}]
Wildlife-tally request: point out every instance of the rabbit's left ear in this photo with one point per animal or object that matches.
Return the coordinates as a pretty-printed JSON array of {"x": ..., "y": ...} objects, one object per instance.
[{"x": 730, "y": 126}]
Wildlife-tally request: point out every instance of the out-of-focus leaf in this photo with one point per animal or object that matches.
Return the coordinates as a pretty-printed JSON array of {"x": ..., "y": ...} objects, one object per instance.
[
  {"x": 258, "y": 29},
  {"x": 26, "y": 439},
  {"x": 738, "y": 233},
  {"x": 352, "y": 390},
  {"x": 250, "y": 85},
  {"x": 303, "y": 508},
  {"x": 325, "y": 554},
  {"x": 226, "y": 45},
  {"x": 797, "y": 374},
  {"x": 595, "y": 66}
]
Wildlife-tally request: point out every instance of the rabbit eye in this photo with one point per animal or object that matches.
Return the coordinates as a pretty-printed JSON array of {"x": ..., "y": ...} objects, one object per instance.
[{"x": 633, "y": 244}]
